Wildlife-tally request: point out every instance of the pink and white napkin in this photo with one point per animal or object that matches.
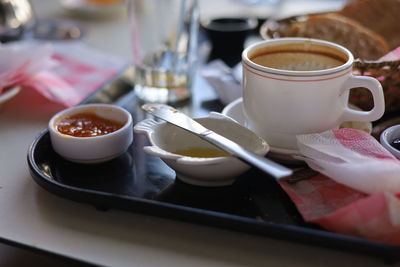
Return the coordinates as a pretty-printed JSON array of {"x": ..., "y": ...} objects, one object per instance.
[
  {"x": 357, "y": 190},
  {"x": 65, "y": 73},
  {"x": 340, "y": 209},
  {"x": 21, "y": 61},
  {"x": 353, "y": 158}
]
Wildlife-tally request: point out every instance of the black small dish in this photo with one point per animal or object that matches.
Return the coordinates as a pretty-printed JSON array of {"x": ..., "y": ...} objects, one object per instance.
[{"x": 227, "y": 37}]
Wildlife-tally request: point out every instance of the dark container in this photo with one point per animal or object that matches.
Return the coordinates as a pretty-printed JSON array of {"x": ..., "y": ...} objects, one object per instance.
[{"x": 227, "y": 37}]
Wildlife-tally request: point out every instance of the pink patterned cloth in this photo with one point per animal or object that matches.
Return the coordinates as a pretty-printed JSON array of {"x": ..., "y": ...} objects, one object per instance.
[
  {"x": 63, "y": 73},
  {"x": 340, "y": 209},
  {"x": 21, "y": 61},
  {"x": 331, "y": 203},
  {"x": 70, "y": 80},
  {"x": 77, "y": 72}
]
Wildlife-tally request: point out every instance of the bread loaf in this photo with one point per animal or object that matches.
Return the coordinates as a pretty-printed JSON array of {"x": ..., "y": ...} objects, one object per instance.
[
  {"x": 361, "y": 41},
  {"x": 380, "y": 16}
]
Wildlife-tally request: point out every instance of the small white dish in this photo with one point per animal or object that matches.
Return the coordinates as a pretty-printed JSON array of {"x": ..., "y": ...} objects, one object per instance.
[
  {"x": 166, "y": 139},
  {"x": 235, "y": 111},
  {"x": 94, "y": 149},
  {"x": 9, "y": 93},
  {"x": 387, "y": 137}
]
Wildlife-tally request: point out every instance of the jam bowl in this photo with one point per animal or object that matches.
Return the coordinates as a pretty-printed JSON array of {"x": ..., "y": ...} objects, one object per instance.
[
  {"x": 194, "y": 160},
  {"x": 390, "y": 139},
  {"x": 91, "y": 133}
]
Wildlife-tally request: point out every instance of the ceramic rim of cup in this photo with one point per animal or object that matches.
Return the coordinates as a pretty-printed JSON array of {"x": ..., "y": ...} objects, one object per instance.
[{"x": 248, "y": 64}]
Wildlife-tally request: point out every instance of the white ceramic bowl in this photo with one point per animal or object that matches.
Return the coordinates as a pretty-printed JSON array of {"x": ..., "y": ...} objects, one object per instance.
[
  {"x": 165, "y": 139},
  {"x": 387, "y": 137},
  {"x": 93, "y": 149}
]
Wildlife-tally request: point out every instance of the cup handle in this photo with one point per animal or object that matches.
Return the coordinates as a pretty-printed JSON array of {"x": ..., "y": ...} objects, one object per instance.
[{"x": 375, "y": 88}]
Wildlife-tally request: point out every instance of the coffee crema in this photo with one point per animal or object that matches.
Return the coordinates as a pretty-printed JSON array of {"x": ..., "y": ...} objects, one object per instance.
[{"x": 297, "y": 58}]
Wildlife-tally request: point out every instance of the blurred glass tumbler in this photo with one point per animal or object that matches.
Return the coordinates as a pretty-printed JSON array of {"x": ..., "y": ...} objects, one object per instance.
[{"x": 164, "y": 43}]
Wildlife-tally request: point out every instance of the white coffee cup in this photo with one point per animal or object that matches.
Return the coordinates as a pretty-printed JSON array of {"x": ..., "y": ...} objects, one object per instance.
[{"x": 301, "y": 87}]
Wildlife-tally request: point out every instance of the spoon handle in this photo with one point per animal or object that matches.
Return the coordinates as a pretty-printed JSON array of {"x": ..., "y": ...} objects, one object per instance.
[{"x": 274, "y": 169}]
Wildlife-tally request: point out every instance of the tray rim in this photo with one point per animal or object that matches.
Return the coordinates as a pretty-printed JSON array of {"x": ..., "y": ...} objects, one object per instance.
[{"x": 299, "y": 234}]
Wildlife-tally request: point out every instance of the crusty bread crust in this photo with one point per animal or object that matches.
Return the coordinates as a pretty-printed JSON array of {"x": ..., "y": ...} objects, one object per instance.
[
  {"x": 361, "y": 41},
  {"x": 381, "y": 16}
]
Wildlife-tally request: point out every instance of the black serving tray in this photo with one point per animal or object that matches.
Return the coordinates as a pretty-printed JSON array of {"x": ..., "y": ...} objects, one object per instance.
[{"x": 138, "y": 182}]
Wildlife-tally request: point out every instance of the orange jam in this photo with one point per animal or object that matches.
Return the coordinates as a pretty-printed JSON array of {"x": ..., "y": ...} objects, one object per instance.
[{"x": 87, "y": 125}]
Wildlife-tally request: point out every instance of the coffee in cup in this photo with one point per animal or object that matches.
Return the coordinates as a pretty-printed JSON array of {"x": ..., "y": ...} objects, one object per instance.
[
  {"x": 298, "y": 86},
  {"x": 297, "y": 59}
]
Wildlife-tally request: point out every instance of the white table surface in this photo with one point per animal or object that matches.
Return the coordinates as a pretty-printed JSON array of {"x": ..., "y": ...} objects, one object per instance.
[{"x": 31, "y": 216}]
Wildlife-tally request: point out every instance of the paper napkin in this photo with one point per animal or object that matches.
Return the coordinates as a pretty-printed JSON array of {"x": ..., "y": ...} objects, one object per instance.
[
  {"x": 21, "y": 61},
  {"x": 353, "y": 158},
  {"x": 65, "y": 73},
  {"x": 225, "y": 81},
  {"x": 358, "y": 189}
]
